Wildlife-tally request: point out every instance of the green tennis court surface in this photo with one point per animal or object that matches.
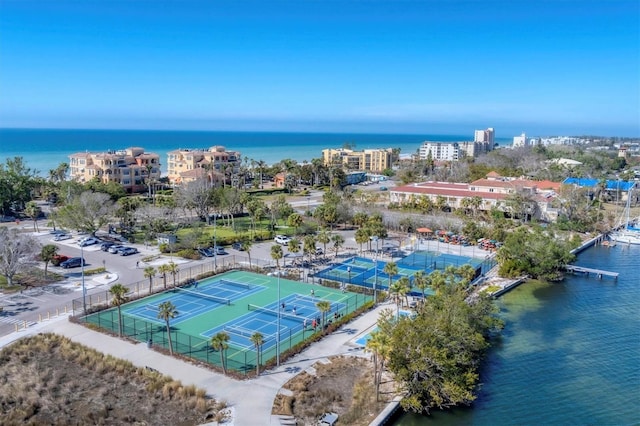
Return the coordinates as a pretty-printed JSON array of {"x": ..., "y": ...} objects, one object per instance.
[{"x": 238, "y": 303}]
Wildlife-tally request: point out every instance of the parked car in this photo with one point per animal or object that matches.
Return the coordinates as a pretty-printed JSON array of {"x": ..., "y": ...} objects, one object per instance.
[
  {"x": 127, "y": 251},
  {"x": 219, "y": 250},
  {"x": 114, "y": 249},
  {"x": 61, "y": 237},
  {"x": 328, "y": 419},
  {"x": 206, "y": 252},
  {"x": 89, "y": 242},
  {"x": 237, "y": 246},
  {"x": 282, "y": 239},
  {"x": 319, "y": 251},
  {"x": 383, "y": 188},
  {"x": 105, "y": 246},
  {"x": 73, "y": 262}
]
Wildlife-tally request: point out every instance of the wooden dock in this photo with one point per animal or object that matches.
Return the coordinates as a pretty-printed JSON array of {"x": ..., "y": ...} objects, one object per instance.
[{"x": 598, "y": 272}]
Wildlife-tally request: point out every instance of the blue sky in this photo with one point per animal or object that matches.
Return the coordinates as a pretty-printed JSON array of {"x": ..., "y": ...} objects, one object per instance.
[{"x": 544, "y": 67}]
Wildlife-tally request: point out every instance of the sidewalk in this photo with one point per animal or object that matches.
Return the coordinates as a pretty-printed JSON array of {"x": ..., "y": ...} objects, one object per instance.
[{"x": 250, "y": 400}]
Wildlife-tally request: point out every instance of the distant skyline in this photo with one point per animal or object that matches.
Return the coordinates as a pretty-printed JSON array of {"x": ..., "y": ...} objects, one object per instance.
[{"x": 555, "y": 67}]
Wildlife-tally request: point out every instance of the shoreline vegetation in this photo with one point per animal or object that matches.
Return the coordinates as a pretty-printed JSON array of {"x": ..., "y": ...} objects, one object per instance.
[{"x": 450, "y": 330}]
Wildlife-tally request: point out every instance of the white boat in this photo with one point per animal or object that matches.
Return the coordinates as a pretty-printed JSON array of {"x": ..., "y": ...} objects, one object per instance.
[
  {"x": 628, "y": 232},
  {"x": 626, "y": 236}
]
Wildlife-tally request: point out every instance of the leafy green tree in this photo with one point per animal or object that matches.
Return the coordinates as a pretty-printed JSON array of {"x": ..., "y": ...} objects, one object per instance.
[
  {"x": 88, "y": 212},
  {"x": 258, "y": 341},
  {"x": 219, "y": 342},
  {"x": 16, "y": 184},
  {"x": 435, "y": 355},
  {"x": 166, "y": 312},
  {"x": 47, "y": 254},
  {"x": 118, "y": 291}
]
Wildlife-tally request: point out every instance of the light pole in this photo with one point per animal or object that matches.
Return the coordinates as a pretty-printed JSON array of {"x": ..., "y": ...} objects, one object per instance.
[
  {"x": 375, "y": 265},
  {"x": 84, "y": 291},
  {"x": 215, "y": 248},
  {"x": 278, "y": 326}
]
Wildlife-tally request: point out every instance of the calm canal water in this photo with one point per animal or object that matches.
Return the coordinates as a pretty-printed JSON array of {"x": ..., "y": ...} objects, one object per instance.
[{"x": 569, "y": 353}]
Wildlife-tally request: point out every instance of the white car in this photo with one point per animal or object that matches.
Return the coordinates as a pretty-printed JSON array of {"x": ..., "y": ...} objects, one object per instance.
[
  {"x": 282, "y": 239},
  {"x": 61, "y": 237}
]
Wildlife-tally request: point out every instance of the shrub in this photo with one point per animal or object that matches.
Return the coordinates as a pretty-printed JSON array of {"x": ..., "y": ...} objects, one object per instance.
[{"x": 189, "y": 254}]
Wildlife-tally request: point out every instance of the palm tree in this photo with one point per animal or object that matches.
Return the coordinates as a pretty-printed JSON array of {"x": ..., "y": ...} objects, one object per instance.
[
  {"x": 164, "y": 269},
  {"x": 295, "y": 220},
  {"x": 324, "y": 237},
  {"x": 294, "y": 247},
  {"x": 150, "y": 272},
  {"x": 467, "y": 272},
  {"x": 404, "y": 287},
  {"x": 166, "y": 312},
  {"x": 362, "y": 236},
  {"x": 395, "y": 291},
  {"x": 391, "y": 269},
  {"x": 379, "y": 347},
  {"x": 219, "y": 343},
  {"x": 118, "y": 291},
  {"x": 338, "y": 242},
  {"x": 246, "y": 246},
  {"x": 173, "y": 270},
  {"x": 276, "y": 254},
  {"x": 421, "y": 281},
  {"x": 324, "y": 306},
  {"x": 47, "y": 254},
  {"x": 33, "y": 211},
  {"x": 309, "y": 246},
  {"x": 258, "y": 340}
]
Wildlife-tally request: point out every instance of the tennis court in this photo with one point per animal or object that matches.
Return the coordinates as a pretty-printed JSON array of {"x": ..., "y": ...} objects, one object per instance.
[
  {"x": 367, "y": 272},
  {"x": 431, "y": 260},
  {"x": 238, "y": 303}
]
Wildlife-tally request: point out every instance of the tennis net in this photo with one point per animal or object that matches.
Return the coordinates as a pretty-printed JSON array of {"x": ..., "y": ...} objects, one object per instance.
[
  {"x": 268, "y": 311},
  {"x": 201, "y": 295},
  {"x": 236, "y": 284},
  {"x": 239, "y": 331}
]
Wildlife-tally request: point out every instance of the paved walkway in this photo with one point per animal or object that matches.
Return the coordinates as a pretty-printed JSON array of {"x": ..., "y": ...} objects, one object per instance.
[{"x": 250, "y": 400}]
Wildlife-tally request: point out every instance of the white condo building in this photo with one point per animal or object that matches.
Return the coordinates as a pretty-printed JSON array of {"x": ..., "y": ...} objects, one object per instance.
[
  {"x": 440, "y": 151},
  {"x": 520, "y": 141}
]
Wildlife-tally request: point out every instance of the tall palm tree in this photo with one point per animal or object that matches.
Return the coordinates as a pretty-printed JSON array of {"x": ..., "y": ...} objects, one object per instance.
[
  {"x": 164, "y": 269},
  {"x": 324, "y": 238},
  {"x": 404, "y": 287},
  {"x": 219, "y": 343},
  {"x": 246, "y": 246},
  {"x": 150, "y": 272},
  {"x": 324, "y": 306},
  {"x": 173, "y": 270},
  {"x": 258, "y": 340},
  {"x": 421, "y": 282},
  {"x": 47, "y": 254},
  {"x": 338, "y": 242},
  {"x": 118, "y": 291},
  {"x": 294, "y": 247},
  {"x": 379, "y": 346},
  {"x": 395, "y": 291},
  {"x": 277, "y": 254},
  {"x": 166, "y": 312},
  {"x": 391, "y": 269},
  {"x": 33, "y": 211},
  {"x": 362, "y": 237},
  {"x": 309, "y": 246}
]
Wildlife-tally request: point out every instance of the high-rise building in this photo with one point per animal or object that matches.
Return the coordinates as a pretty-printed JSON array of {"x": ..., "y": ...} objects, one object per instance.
[
  {"x": 370, "y": 160},
  {"x": 485, "y": 140},
  {"x": 132, "y": 167},
  {"x": 440, "y": 151},
  {"x": 520, "y": 141}
]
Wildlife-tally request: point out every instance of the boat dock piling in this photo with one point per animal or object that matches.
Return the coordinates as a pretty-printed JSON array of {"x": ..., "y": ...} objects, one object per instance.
[{"x": 599, "y": 272}]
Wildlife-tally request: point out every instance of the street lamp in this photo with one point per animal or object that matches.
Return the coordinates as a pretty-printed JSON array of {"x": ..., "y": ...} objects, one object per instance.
[
  {"x": 278, "y": 326},
  {"x": 375, "y": 265},
  {"x": 215, "y": 248},
  {"x": 84, "y": 291}
]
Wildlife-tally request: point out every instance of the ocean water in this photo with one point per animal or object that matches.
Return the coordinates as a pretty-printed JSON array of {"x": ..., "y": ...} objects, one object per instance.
[
  {"x": 45, "y": 149},
  {"x": 569, "y": 354}
]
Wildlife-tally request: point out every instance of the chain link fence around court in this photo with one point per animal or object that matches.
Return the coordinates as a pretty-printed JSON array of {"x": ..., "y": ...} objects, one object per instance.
[
  {"x": 101, "y": 313},
  {"x": 240, "y": 359},
  {"x": 160, "y": 282}
]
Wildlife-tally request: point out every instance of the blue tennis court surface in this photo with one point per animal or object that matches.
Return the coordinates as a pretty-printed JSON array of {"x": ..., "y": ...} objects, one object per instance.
[
  {"x": 297, "y": 313},
  {"x": 198, "y": 298}
]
